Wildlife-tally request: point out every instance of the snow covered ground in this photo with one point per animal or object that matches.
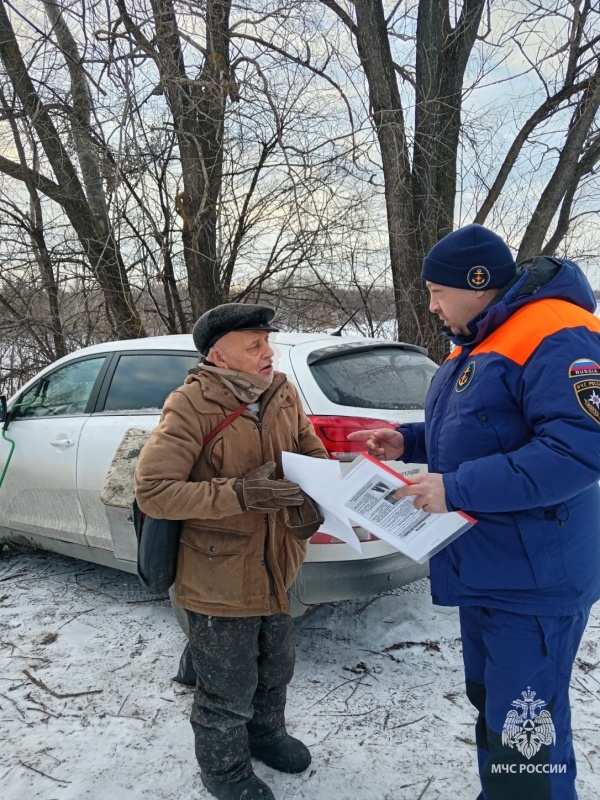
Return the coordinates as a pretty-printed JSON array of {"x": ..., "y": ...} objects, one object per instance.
[{"x": 88, "y": 709}]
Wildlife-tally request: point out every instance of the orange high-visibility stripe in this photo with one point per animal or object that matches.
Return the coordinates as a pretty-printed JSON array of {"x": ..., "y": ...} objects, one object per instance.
[
  {"x": 454, "y": 353},
  {"x": 521, "y": 334}
]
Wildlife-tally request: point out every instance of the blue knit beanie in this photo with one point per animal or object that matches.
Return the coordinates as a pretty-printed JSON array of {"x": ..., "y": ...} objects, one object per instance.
[{"x": 470, "y": 258}]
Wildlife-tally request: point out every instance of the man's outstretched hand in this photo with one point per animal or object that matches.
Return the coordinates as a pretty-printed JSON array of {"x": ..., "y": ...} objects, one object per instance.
[{"x": 386, "y": 444}]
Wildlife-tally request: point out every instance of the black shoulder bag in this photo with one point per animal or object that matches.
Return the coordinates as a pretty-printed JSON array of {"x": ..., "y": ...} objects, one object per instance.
[{"x": 158, "y": 539}]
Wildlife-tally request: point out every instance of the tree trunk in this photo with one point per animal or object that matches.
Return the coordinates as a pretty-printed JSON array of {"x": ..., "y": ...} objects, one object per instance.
[
  {"x": 583, "y": 119},
  {"x": 419, "y": 202},
  {"x": 388, "y": 117},
  {"x": 586, "y": 165},
  {"x": 97, "y": 241},
  {"x": 38, "y": 241},
  {"x": 198, "y": 108},
  {"x": 441, "y": 60}
]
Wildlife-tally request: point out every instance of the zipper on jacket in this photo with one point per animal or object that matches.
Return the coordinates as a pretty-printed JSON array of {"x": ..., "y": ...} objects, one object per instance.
[
  {"x": 259, "y": 425},
  {"x": 269, "y": 400},
  {"x": 266, "y": 558},
  {"x": 447, "y": 389}
]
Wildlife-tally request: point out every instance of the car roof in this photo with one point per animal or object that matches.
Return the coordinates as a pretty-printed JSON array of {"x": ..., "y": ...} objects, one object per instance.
[{"x": 185, "y": 342}]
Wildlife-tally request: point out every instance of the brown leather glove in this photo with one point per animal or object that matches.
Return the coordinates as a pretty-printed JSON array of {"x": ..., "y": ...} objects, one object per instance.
[
  {"x": 256, "y": 492},
  {"x": 304, "y": 520}
]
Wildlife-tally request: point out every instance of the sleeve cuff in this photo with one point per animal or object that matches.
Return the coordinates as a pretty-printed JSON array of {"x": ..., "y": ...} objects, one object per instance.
[
  {"x": 410, "y": 442},
  {"x": 454, "y": 501}
]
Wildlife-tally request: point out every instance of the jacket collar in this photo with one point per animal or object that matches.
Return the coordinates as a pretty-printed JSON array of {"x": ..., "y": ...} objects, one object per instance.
[{"x": 214, "y": 390}]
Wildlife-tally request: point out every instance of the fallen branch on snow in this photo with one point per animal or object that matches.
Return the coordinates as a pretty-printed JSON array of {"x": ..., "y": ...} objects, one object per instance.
[
  {"x": 59, "y": 695},
  {"x": 45, "y": 774}
]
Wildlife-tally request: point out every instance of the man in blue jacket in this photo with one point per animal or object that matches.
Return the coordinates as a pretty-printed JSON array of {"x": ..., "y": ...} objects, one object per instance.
[{"x": 512, "y": 437}]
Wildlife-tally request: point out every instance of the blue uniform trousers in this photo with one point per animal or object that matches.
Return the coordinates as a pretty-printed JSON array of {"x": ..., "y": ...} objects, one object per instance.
[{"x": 517, "y": 671}]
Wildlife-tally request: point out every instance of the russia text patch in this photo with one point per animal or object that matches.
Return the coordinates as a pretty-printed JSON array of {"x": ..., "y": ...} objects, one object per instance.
[{"x": 583, "y": 366}]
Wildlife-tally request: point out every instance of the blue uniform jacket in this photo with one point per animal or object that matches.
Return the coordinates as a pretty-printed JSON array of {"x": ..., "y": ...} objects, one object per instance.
[{"x": 512, "y": 421}]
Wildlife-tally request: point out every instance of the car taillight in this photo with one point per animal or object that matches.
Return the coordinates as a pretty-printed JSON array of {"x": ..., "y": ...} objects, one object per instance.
[{"x": 333, "y": 432}]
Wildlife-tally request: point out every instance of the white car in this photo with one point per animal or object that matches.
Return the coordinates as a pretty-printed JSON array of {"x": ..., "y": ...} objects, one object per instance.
[{"x": 62, "y": 429}]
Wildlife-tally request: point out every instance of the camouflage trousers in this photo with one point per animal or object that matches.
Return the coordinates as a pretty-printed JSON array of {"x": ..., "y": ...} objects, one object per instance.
[{"x": 244, "y": 665}]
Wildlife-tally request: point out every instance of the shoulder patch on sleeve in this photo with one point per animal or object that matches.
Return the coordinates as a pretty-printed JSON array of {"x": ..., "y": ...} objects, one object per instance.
[
  {"x": 465, "y": 377},
  {"x": 588, "y": 397},
  {"x": 583, "y": 366}
]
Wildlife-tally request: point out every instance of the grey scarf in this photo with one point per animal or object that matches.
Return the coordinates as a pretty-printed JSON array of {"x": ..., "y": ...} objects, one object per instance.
[{"x": 247, "y": 388}]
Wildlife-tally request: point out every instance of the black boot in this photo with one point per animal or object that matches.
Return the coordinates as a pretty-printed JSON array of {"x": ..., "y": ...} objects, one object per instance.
[
  {"x": 251, "y": 788},
  {"x": 286, "y": 755}
]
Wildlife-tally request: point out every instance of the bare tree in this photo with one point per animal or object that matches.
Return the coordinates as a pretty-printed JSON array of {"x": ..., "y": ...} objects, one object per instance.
[
  {"x": 297, "y": 153},
  {"x": 417, "y": 72},
  {"x": 198, "y": 108},
  {"x": 85, "y": 210},
  {"x": 33, "y": 222},
  {"x": 257, "y": 178},
  {"x": 570, "y": 93},
  {"x": 419, "y": 190}
]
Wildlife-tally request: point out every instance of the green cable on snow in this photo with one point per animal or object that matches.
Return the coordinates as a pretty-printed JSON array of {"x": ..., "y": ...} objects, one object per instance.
[{"x": 12, "y": 441}]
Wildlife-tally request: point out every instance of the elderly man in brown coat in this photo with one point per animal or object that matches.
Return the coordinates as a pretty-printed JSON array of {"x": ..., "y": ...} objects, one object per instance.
[{"x": 243, "y": 540}]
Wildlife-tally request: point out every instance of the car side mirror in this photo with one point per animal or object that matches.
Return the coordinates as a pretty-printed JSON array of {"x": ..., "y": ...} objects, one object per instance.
[{"x": 5, "y": 412}]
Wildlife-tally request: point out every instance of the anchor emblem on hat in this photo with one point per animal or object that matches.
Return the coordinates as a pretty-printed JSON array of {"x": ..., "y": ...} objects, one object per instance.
[{"x": 478, "y": 277}]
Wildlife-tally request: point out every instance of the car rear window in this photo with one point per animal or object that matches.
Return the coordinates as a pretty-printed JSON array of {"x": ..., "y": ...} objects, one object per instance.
[
  {"x": 141, "y": 382},
  {"x": 383, "y": 377}
]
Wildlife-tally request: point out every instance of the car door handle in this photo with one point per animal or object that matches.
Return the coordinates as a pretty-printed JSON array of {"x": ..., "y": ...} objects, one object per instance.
[{"x": 63, "y": 443}]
